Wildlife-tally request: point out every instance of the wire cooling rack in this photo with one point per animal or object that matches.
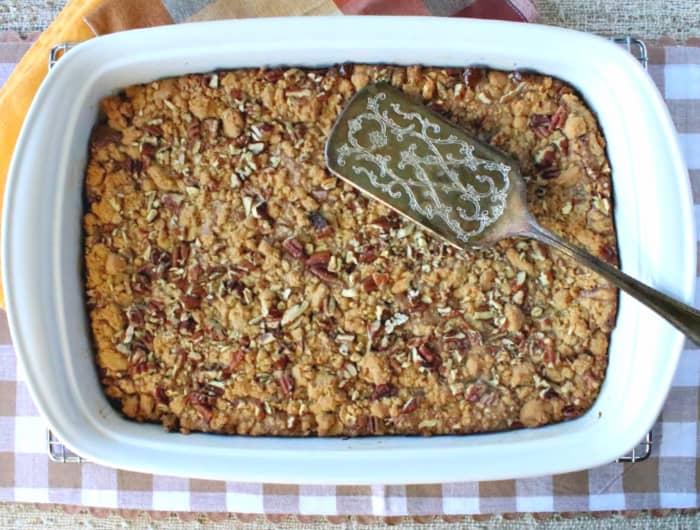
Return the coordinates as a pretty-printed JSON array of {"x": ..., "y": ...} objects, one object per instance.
[{"x": 60, "y": 453}]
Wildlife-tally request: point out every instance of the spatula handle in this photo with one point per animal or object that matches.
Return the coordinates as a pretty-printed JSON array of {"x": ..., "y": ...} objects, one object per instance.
[{"x": 682, "y": 316}]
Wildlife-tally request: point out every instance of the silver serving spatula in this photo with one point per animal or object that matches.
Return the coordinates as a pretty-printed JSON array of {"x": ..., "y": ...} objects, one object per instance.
[{"x": 463, "y": 191}]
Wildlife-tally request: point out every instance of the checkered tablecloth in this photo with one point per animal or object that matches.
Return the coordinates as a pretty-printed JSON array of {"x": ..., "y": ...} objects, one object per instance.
[{"x": 670, "y": 478}]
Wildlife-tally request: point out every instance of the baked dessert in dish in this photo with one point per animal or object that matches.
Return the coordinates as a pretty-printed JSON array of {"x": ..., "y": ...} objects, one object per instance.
[{"x": 235, "y": 286}]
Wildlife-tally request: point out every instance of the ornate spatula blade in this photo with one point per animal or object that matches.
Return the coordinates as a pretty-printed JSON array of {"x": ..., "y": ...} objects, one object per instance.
[
  {"x": 456, "y": 187},
  {"x": 421, "y": 165}
]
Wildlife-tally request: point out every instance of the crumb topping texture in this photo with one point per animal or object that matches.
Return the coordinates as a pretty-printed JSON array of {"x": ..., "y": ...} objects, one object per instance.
[{"x": 235, "y": 286}]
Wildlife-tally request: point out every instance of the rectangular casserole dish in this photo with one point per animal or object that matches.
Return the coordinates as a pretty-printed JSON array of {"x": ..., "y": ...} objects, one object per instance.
[{"x": 42, "y": 248}]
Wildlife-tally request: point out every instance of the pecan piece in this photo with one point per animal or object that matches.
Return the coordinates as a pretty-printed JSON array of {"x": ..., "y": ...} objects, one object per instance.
[
  {"x": 368, "y": 255},
  {"x": 380, "y": 278},
  {"x": 148, "y": 151},
  {"x": 539, "y": 120},
  {"x": 287, "y": 384},
  {"x": 474, "y": 393},
  {"x": 135, "y": 316},
  {"x": 321, "y": 272},
  {"x": 409, "y": 406},
  {"x": 472, "y": 76},
  {"x": 383, "y": 390},
  {"x": 160, "y": 257},
  {"x": 294, "y": 248},
  {"x": 550, "y": 173},
  {"x": 236, "y": 361},
  {"x": 569, "y": 411},
  {"x": 373, "y": 424},
  {"x": 540, "y": 124},
  {"x": 321, "y": 258},
  {"x": 131, "y": 165},
  {"x": 558, "y": 118},
  {"x": 273, "y": 74},
  {"x": 386, "y": 222},
  {"x": 368, "y": 284},
  {"x": 141, "y": 283},
  {"x": 160, "y": 395},
  {"x": 204, "y": 411},
  {"x": 545, "y": 157},
  {"x": 191, "y": 301},
  {"x": 180, "y": 254},
  {"x": 608, "y": 253},
  {"x": 172, "y": 202},
  {"x": 428, "y": 355},
  {"x": 281, "y": 363},
  {"x": 193, "y": 131},
  {"x": 187, "y": 326}
]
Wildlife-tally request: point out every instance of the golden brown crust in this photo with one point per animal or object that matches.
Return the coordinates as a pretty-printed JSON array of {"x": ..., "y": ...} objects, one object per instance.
[{"x": 235, "y": 286}]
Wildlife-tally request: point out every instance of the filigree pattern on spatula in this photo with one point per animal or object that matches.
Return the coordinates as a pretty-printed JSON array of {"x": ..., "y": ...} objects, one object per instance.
[{"x": 425, "y": 149}]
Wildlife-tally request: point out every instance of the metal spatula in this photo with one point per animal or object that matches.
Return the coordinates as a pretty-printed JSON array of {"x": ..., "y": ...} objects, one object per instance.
[{"x": 463, "y": 191}]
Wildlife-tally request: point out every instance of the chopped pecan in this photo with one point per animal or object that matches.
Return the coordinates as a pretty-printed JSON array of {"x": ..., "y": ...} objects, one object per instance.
[
  {"x": 180, "y": 254},
  {"x": 236, "y": 360},
  {"x": 193, "y": 131},
  {"x": 383, "y": 390},
  {"x": 273, "y": 74},
  {"x": 148, "y": 151},
  {"x": 368, "y": 284},
  {"x": 386, "y": 222},
  {"x": 321, "y": 258},
  {"x": 160, "y": 395},
  {"x": 141, "y": 282},
  {"x": 569, "y": 411},
  {"x": 294, "y": 248},
  {"x": 204, "y": 411},
  {"x": 409, "y": 406},
  {"x": 135, "y": 315},
  {"x": 287, "y": 384},
  {"x": 539, "y": 120},
  {"x": 160, "y": 257},
  {"x": 191, "y": 301},
  {"x": 608, "y": 253},
  {"x": 427, "y": 353},
  {"x": 549, "y": 173},
  {"x": 322, "y": 272},
  {"x": 472, "y": 75},
  {"x": 540, "y": 124},
  {"x": 474, "y": 393},
  {"x": 368, "y": 255},
  {"x": 545, "y": 157},
  {"x": 274, "y": 316},
  {"x": 559, "y": 118},
  {"x": 380, "y": 278},
  {"x": 187, "y": 326},
  {"x": 281, "y": 363}
]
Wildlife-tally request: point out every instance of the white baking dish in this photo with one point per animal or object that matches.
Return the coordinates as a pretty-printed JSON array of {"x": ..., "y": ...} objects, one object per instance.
[{"x": 42, "y": 248}]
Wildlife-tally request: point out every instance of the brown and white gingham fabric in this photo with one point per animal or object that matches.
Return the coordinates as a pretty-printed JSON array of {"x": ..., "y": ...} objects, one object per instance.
[{"x": 670, "y": 478}]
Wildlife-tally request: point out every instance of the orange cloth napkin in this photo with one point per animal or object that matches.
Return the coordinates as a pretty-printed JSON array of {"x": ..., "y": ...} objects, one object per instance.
[{"x": 83, "y": 19}]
